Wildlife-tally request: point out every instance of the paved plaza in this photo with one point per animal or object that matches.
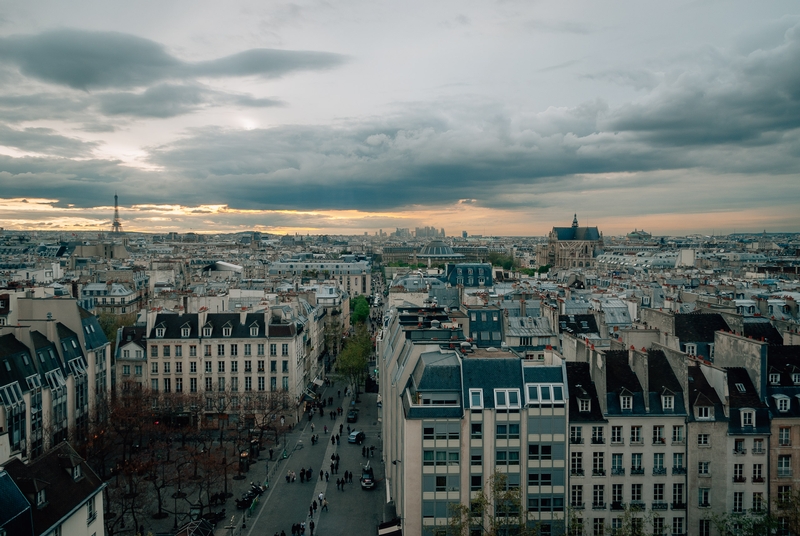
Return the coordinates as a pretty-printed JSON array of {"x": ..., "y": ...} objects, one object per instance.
[{"x": 351, "y": 511}]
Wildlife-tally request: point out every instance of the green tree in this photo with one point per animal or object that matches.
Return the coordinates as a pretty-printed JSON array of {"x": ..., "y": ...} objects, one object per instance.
[
  {"x": 750, "y": 524},
  {"x": 359, "y": 307},
  {"x": 110, "y": 323},
  {"x": 354, "y": 358},
  {"x": 498, "y": 259},
  {"x": 494, "y": 511},
  {"x": 544, "y": 269}
]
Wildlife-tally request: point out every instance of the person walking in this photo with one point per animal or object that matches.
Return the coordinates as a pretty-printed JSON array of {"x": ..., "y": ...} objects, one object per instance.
[
  {"x": 333, "y": 440},
  {"x": 320, "y": 497},
  {"x": 310, "y": 511},
  {"x": 311, "y": 527},
  {"x": 326, "y": 476},
  {"x": 270, "y": 453},
  {"x": 324, "y": 505},
  {"x": 321, "y": 474}
]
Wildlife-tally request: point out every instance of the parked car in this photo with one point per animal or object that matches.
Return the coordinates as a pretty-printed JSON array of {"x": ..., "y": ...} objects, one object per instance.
[
  {"x": 356, "y": 437},
  {"x": 352, "y": 415},
  {"x": 367, "y": 477}
]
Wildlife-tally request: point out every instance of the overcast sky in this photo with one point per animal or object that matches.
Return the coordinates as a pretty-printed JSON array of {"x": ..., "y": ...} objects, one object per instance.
[{"x": 494, "y": 117}]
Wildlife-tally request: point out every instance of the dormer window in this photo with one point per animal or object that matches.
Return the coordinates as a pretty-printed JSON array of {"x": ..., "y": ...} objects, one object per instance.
[
  {"x": 704, "y": 412},
  {"x": 796, "y": 378},
  {"x": 584, "y": 405},
  {"x": 506, "y": 398},
  {"x": 740, "y": 387},
  {"x": 76, "y": 473},
  {"x": 206, "y": 332},
  {"x": 691, "y": 349},
  {"x": 254, "y": 331},
  {"x": 185, "y": 332},
  {"x": 476, "y": 398},
  {"x": 783, "y": 402},
  {"x": 748, "y": 417},
  {"x": 226, "y": 332},
  {"x": 626, "y": 402},
  {"x": 667, "y": 402},
  {"x": 41, "y": 498},
  {"x": 774, "y": 378},
  {"x": 160, "y": 332}
]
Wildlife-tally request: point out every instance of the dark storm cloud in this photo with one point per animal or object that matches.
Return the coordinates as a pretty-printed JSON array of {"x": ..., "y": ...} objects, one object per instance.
[
  {"x": 100, "y": 60},
  {"x": 169, "y": 100},
  {"x": 44, "y": 141}
]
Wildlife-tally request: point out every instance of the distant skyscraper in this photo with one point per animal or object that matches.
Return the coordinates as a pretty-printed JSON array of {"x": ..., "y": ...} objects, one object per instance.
[{"x": 116, "y": 227}]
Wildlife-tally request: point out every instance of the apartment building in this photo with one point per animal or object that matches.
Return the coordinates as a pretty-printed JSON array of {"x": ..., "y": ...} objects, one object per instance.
[
  {"x": 637, "y": 458},
  {"x": 55, "y": 375},
  {"x": 235, "y": 363}
]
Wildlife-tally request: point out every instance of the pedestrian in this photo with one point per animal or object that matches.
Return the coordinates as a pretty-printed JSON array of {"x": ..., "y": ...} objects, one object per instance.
[
  {"x": 338, "y": 483},
  {"x": 364, "y": 451},
  {"x": 331, "y": 467},
  {"x": 309, "y": 473},
  {"x": 325, "y": 429},
  {"x": 310, "y": 511},
  {"x": 321, "y": 475},
  {"x": 340, "y": 427},
  {"x": 337, "y": 439},
  {"x": 320, "y": 497},
  {"x": 270, "y": 453},
  {"x": 312, "y": 426},
  {"x": 311, "y": 527},
  {"x": 302, "y": 476},
  {"x": 333, "y": 440},
  {"x": 326, "y": 476},
  {"x": 324, "y": 505},
  {"x": 372, "y": 451},
  {"x": 337, "y": 467},
  {"x": 348, "y": 428},
  {"x": 337, "y": 459},
  {"x": 314, "y": 504}
]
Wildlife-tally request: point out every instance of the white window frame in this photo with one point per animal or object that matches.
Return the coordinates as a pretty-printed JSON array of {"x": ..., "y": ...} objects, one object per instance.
[
  {"x": 507, "y": 395},
  {"x": 226, "y": 332},
  {"x": 774, "y": 378},
  {"x": 782, "y": 402},
  {"x": 626, "y": 402},
  {"x": 185, "y": 332},
  {"x": 584, "y": 405},
  {"x": 206, "y": 332},
  {"x": 668, "y": 402},
  {"x": 254, "y": 331},
  {"x": 160, "y": 332},
  {"x": 748, "y": 417},
  {"x": 478, "y": 392},
  {"x": 705, "y": 412}
]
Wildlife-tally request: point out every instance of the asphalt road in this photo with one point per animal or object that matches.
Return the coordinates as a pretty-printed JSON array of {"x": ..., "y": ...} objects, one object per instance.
[{"x": 350, "y": 512}]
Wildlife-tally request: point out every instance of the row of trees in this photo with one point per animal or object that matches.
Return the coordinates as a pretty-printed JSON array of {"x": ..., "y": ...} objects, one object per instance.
[
  {"x": 498, "y": 511},
  {"x": 164, "y": 452}
]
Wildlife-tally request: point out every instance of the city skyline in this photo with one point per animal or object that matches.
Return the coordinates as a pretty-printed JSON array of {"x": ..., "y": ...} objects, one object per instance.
[{"x": 501, "y": 118}]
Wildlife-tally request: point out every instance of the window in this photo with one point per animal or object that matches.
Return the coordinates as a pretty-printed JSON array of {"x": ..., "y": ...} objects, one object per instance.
[
  {"x": 254, "y": 331},
  {"x": 284, "y": 366},
  {"x": 506, "y": 398},
  {"x": 658, "y": 464},
  {"x": 783, "y": 402},
  {"x": 616, "y": 494},
  {"x": 206, "y": 332},
  {"x": 226, "y": 332},
  {"x": 598, "y": 526},
  {"x": 220, "y": 366},
  {"x": 153, "y": 351},
  {"x": 738, "y": 500},
  {"x": 160, "y": 332},
  {"x": 260, "y": 348},
  {"x": 747, "y": 418},
  {"x": 273, "y": 350},
  {"x": 220, "y": 384},
  {"x": 508, "y": 431},
  {"x": 616, "y": 434},
  {"x": 658, "y": 492},
  {"x": 758, "y": 475},
  {"x": 658, "y": 435},
  {"x": 616, "y": 465},
  {"x": 677, "y": 463},
  {"x": 796, "y": 378},
  {"x": 597, "y": 435},
  {"x": 738, "y": 472},
  {"x": 273, "y": 366},
  {"x": 91, "y": 511},
  {"x": 476, "y": 483},
  {"x": 774, "y": 379},
  {"x": 193, "y": 385},
  {"x": 703, "y": 468},
  {"x": 207, "y": 350},
  {"x": 261, "y": 363},
  {"x": 166, "y": 350},
  {"x": 784, "y": 437},
  {"x": 185, "y": 332},
  {"x": 234, "y": 349},
  {"x": 476, "y": 430},
  {"x": 476, "y": 457},
  {"x": 510, "y": 457},
  {"x": 691, "y": 349},
  {"x": 576, "y": 497},
  {"x": 261, "y": 383},
  {"x": 126, "y": 370},
  {"x": 677, "y": 525},
  {"x": 576, "y": 463},
  {"x": 636, "y": 434},
  {"x": 220, "y": 349},
  {"x": 575, "y": 435},
  {"x": 703, "y": 440},
  {"x": 248, "y": 366},
  {"x": 705, "y": 527},
  {"x": 598, "y": 464},
  {"x": 234, "y": 366},
  {"x": 154, "y": 368},
  {"x": 598, "y": 496},
  {"x": 208, "y": 367},
  {"x": 677, "y": 434},
  {"x": 703, "y": 412},
  {"x": 284, "y": 349},
  {"x": 208, "y": 384},
  {"x": 476, "y": 398},
  {"x": 658, "y": 526},
  {"x": 677, "y": 494},
  {"x": 540, "y": 452},
  {"x": 758, "y": 446},
  {"x": 584, "y": 405},
  {"x": 636, "y": 463},
  {"x": 627, "y": 402},
  {"x": 758, "y": 501},
  {"x": 636, "y": 492},
  {"x": 166, "y": 367},
  {"x": 179, "y": 351},
  {"x": 667, "y": 402},
  {"x": 784, "y": 465}
]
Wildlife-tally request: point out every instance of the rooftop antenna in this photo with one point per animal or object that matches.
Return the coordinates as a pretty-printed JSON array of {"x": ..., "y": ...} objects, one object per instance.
[{"x": 116, "y": 227}]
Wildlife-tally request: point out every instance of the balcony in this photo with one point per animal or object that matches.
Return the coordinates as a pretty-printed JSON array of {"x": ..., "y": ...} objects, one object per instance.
[
  {"x": 637, "y": 506},
  {"x": 598, "y": 472},
  {"x": 784, "y": 443},
  {"x": 577, "y": 505},
  {"x": 678, "y": 442},
  {"x": 576, "y": 441},
  {"x": 758, "y": 479},
  {"x": 599, "y": 506},
  {"x": 637, "y": 441},
  {"x": 659, "y": 441},
  {"x": 598, "y": 441},
  {"x": 704, "y": 505},
  {"x": 759, "y": 451},
  {"x": 617, "y": 441},
  {"x": 637, "y": 470},
  {"x": 678, "y": 470},
  {"x": 618, "y": 471},
  {"x": 679, "y": 506},
  {"x": 739, "y": 452},
  {"x": 660, "y": 505},
  {"x": 659, "y": 470},
  {"x": 617, "y": 506},
  {"x": 784, "y": 472},
  {"x": 739, "y": 479},
  {"x": 576, "y": 472}
]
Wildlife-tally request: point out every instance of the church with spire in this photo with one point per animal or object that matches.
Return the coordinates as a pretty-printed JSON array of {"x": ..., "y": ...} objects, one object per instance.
[{"x": 571, "y": 247}]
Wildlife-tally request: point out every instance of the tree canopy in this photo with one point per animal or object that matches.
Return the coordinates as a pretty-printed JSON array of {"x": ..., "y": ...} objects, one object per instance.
[{"x": 359, "y": 310}]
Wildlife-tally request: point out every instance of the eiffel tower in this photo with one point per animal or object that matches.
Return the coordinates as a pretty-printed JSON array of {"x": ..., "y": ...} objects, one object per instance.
[{"x": 116, "y": 227}]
